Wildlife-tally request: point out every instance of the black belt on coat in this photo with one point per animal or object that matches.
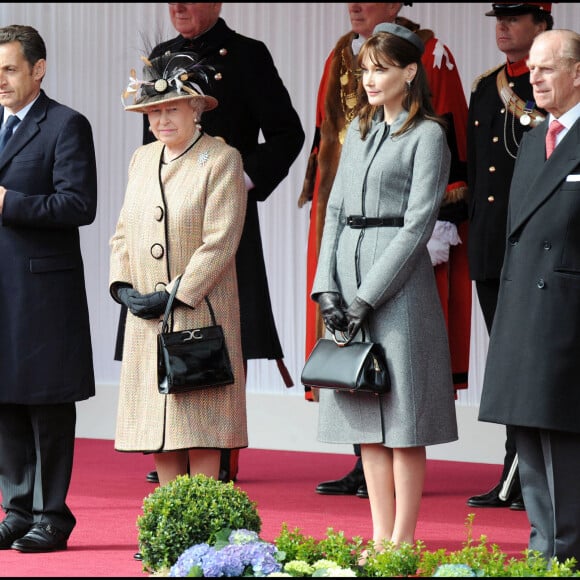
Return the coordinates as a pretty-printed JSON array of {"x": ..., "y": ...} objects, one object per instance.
[{"x": 361, "y": 221}]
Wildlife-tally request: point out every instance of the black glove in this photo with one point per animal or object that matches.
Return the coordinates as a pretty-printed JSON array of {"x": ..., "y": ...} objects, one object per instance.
[
  {"x": 124, "y": 293},
  {"x": 149, "y": 306},
  {"x": 146, "y": 306},
  {"x": 356, "y": 314},
  {"x": 330, "y": 304}
]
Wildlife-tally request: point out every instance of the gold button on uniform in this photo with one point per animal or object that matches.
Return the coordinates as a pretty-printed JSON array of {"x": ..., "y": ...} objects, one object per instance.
[
  {"x": 490, "y": 198},
  {"x": 495, "y": 139},
  {"x": 492, "y": 169}
]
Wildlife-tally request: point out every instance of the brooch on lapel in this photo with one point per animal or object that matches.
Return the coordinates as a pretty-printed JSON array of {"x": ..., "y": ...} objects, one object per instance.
[{"x": 202, "y": 159}]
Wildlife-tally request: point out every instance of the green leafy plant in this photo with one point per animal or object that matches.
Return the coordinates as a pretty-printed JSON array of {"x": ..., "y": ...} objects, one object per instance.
[
  {"x": 402, "y": 560},
  {"x": 189, "y": 511},
  {"x": 482, "y": 559}
]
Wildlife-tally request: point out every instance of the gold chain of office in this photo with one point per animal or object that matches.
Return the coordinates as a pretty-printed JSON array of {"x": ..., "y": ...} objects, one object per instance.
[{"x": 348, "y": 91}]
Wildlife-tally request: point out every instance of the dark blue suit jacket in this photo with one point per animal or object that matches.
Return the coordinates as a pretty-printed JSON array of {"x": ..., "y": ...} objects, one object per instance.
[{"x": 49, "y": 170}]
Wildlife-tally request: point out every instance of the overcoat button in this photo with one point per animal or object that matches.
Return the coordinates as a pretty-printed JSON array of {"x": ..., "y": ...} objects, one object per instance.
[
  {"x": 541, "y": 283},
  {"x": 547, "y": 245},
  {"x": 157, "y": 251},
  {"x": 160, "y": 286},
  {"x": 158, "y": 213}
]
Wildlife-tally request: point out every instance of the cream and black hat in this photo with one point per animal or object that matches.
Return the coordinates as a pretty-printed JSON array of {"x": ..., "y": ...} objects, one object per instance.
[{"x": 167, "y": 78}]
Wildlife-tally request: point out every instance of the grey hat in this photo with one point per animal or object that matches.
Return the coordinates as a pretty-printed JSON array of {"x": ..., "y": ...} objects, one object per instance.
[{"x": 401, "y": 32}]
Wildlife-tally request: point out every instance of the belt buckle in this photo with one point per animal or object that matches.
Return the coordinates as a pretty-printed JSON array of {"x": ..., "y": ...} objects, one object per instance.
[{"x": 357, "y": 221}]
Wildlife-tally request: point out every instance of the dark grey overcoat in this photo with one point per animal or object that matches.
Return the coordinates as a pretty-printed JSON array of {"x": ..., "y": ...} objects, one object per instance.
[
  {"x": 532, "y": 375},
  {"x": 386, "y": 176},
  {"x": 49, "y": 171}
]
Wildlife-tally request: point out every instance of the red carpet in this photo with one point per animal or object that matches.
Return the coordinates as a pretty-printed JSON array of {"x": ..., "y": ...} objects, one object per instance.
[{"x": 108, "y": 488}]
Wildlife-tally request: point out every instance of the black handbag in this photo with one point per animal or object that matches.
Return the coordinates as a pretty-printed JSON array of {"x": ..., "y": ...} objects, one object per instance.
[
  {"x": 347, "y": 366},
  {"x": 188, "y": 360}
]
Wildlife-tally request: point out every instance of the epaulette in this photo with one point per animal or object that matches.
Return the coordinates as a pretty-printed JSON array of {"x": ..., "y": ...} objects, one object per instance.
[{"x": 483, "y": 75}]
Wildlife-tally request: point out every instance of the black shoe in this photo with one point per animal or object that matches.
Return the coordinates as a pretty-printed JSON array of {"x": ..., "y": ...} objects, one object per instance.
[
  {"x": 362, "y": 491},
  {"x": 152, "y": 477},
  {"x": 138, "y": 556},
  {"x": 489, "y": 499},
  {"x": 225, "y": 476},
  {"x": 41, "y": 538},
  {"x": 9, "y": 534},
  {"x": 348, "y": 485},
  {"x": 518, "y": 504}
]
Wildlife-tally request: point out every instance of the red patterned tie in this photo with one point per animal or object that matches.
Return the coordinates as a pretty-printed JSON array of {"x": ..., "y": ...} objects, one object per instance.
[{"x": 553, "y": 130}]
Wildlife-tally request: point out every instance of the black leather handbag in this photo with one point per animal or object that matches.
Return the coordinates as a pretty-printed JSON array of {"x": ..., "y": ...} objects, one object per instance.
[
  {"x": 193, "y": 359},
  {"x": 347, "y": 366}
]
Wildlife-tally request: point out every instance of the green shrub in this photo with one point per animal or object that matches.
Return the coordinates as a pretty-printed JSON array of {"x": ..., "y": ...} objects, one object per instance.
[
  {"x": 188, "y": 511},
  {"x": 394, "y": 560}
]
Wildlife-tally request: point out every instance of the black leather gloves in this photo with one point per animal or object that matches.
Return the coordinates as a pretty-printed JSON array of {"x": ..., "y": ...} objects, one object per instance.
[
  {"x": 356, "y": 314},
  {"x": 331, "y": 309},
  {"x": 146, "y": 306}
]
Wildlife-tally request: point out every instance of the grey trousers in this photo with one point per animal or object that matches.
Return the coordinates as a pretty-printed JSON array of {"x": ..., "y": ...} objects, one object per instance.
[{"x": 549, "y": 464}]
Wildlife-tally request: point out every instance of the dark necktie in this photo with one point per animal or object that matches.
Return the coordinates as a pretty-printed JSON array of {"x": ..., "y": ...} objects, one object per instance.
[
  {"x": 6, "y": 131},
  {"x": 553, "y": 130}
]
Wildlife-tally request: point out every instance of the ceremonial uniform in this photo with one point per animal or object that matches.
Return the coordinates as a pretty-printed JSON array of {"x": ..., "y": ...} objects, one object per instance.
[{"x": 493, "y": 136}]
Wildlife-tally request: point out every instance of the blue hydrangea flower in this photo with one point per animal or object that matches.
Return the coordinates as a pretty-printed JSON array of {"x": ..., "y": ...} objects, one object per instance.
[
  {"x": 244, "y": 555},
  {"x": 454, "y": 570},
  {"x": 191, "y": 557}
]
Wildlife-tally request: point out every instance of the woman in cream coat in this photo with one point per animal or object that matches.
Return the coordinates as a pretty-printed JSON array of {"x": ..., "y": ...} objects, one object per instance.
[
  {"x": 182, "y": 215},
  {"x": 394, "y": 165}
]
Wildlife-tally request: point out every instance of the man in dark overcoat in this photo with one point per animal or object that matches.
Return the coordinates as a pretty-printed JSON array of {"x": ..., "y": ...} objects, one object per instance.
[
  {"x": 48, "y": 188},
  {"x": 532, "y": 375},
  {"x": 501, "y": 110}
]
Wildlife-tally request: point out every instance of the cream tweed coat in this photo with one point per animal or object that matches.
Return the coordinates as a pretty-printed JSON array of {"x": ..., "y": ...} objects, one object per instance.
[{"x": 192, "y": 228}]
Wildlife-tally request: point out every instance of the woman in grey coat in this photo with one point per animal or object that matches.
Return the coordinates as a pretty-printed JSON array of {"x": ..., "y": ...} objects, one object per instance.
[{"x": 394, "y": 164}]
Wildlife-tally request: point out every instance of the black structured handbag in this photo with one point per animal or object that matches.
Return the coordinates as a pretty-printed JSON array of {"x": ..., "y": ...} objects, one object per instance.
[
  {"x": 189, "y": 360},
  {"x": 347, "y": 366}
]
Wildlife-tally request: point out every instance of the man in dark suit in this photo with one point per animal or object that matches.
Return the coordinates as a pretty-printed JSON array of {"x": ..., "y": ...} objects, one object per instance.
[
  {"x": 48, "y": 188},
  {"x": 252, "y": 100},
  {"x": 533, "y": 363},
  {"x": 501, "y": 110}
]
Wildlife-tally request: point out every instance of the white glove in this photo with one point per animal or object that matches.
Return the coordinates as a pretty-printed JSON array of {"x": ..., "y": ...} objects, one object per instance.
[{"x": 443, "y": 237}]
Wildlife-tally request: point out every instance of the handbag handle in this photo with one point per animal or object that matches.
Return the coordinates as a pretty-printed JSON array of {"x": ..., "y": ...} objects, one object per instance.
[
  {"x": 347, "y": 338},
  {"x": 169, "y": 307}
]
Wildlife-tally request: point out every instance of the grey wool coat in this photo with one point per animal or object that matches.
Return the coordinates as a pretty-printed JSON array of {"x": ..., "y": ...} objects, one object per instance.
[
  {"x": 192, "y": 229},
  {"x": 386, "y": 176}
]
